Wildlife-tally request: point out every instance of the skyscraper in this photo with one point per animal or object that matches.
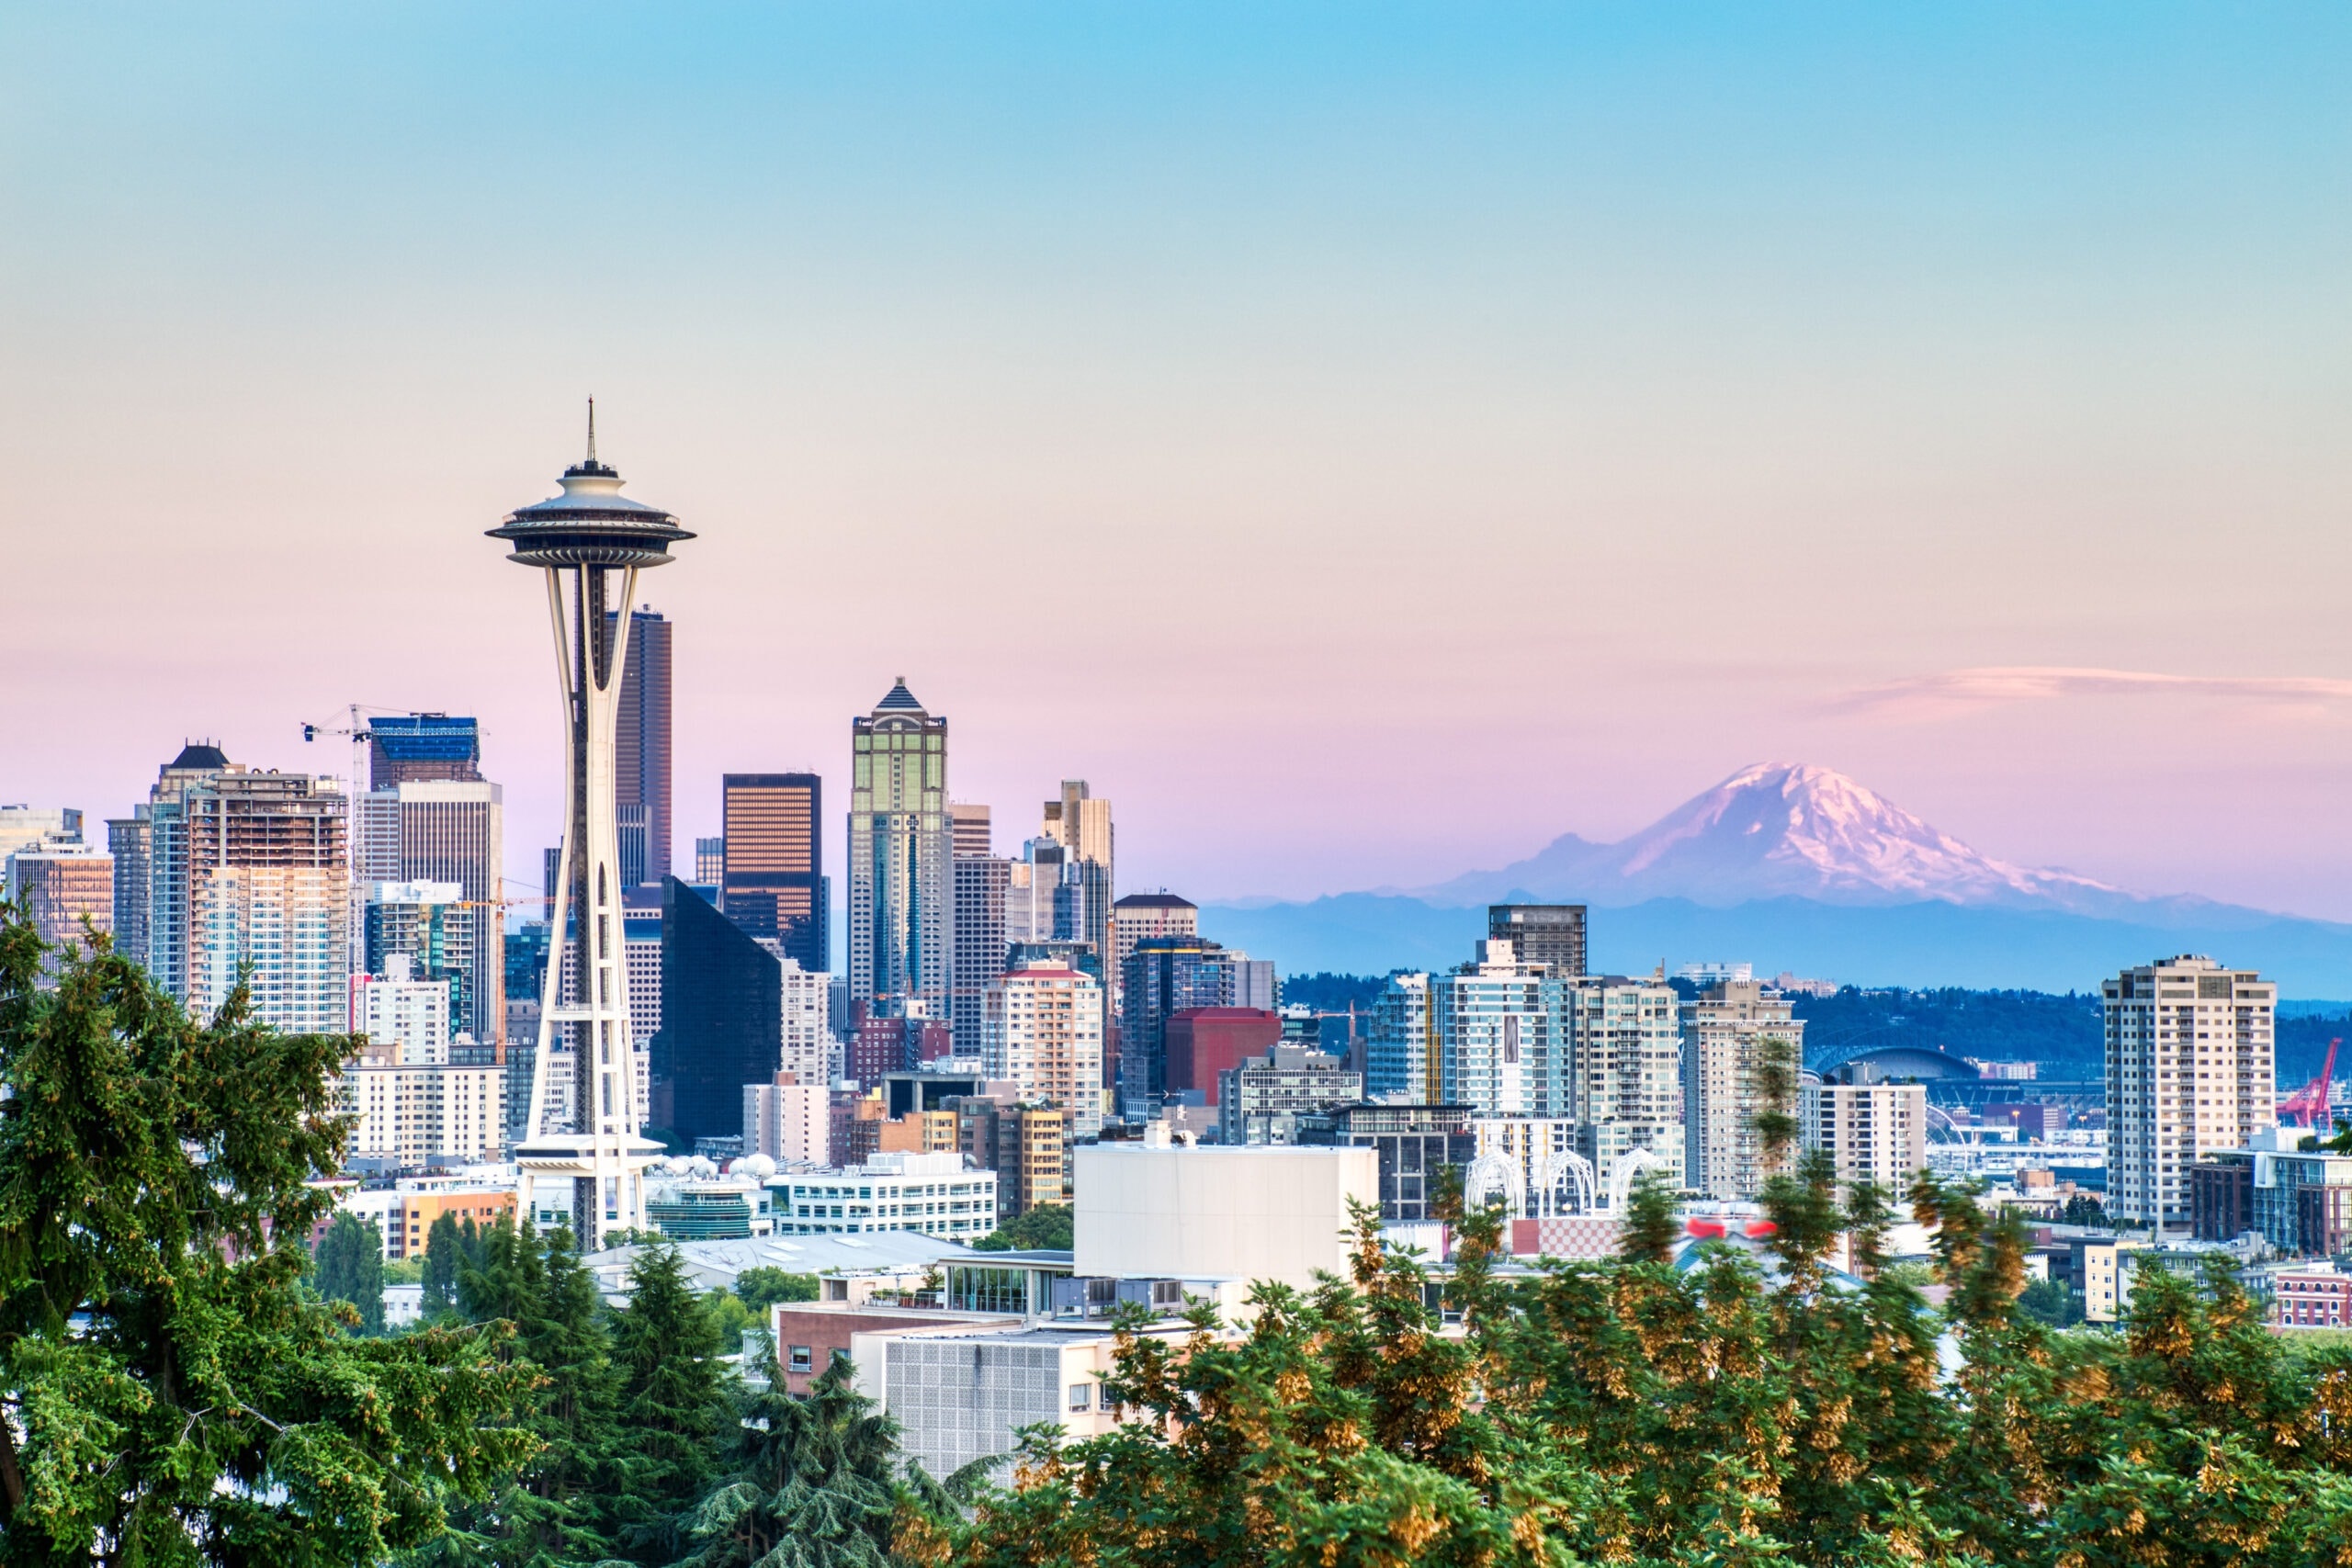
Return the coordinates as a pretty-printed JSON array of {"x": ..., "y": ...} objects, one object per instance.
[
  {"x": 1139, "y": 915},
  {"x": 589, "y": 542},
  {"x": 641, "y": 750},
  {"x": 1550, "y": 935},
  {"x": 1041, "y": 1028},
  {"x": 151, "y": 872},
  {"x": 419, "y": 748},
  {"x": 2189, "y": 1070},
  {"x": 1498, "y": 1033},
  {"x": 722, "y": 1018},
  {"x": 773, "y": 862},
  {"x": 61, "y": 885},
  {"x": 431, "y": 927},
  {"x": 1082, "y": 825},
  {"x": 982, "y": 881},
  {"x": 1621, "y": 1063},
  {"x": 258, "y": 875},
  {"x": 1165, "y": 975},
  {"x": 901, "y": 853},
  {"x": 1724, "y": 1037}
]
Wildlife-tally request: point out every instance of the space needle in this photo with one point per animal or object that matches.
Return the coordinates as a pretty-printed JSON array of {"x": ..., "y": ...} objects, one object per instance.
[{"x": 590, "y": 541}]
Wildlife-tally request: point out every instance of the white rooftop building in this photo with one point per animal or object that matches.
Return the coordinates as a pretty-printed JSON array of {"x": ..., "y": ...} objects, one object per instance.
[
  {"x": 1260, "y": 1211},
  {"x": 931, "y": 1194}
]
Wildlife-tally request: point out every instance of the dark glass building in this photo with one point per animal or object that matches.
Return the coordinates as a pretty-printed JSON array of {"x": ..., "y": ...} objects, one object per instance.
[
  {"x": 1550, "y": 934},
  {"x": 422, "y": 747},
  {"x": 722, "y": 1019},
  {"x": 1165, "y": 975},
  {"x": 641, "y": 749},
  {"x": 1414, "y": 1142}
]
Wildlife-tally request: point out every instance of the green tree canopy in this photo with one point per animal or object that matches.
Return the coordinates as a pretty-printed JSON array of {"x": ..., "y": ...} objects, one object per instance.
[
  {"x": 760, "y": 1287},
  {"x": 350, "y": 1267},
  {"x": 173, "y": 1395},
  {"x": 1046, "y": 1226}
]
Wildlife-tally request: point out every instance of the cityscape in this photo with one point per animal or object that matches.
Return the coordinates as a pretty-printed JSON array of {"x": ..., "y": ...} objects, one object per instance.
[{"x": 1169, "y": 1162}]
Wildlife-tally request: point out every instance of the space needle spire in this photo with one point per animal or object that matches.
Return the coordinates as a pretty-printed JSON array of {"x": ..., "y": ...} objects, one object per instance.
[{"x": 588, "y": 541}]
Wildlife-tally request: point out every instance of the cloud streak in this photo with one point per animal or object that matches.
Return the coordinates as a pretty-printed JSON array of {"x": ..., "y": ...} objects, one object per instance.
[{"x": 1964, "y": 691}]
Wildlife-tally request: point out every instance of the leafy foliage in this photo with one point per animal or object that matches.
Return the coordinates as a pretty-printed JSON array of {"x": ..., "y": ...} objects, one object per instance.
[
  {"x": 174, "y": 1395},
  {"x": 350, "y": 1267},
  {"x": 761, "y": 1287},
  {"x": 1048, "y": 1225}
]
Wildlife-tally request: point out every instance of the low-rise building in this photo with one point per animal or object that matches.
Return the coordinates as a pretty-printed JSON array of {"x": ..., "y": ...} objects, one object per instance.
[
  {"x": 1261, "y": 1099},
  {"x": 932, "y": 1194},
  {"x": 1264, "y": 1213},
  {"x": 2314, "y": 1295},
  {"x": 1026, "y": 1146},
  {"x": 1412, "y": 1144}
]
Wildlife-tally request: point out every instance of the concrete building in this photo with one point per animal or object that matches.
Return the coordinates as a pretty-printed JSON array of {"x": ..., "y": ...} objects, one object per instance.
[
  {"x": 401, "y": 1008},
  {"x": 34, "y": 827},
  {"x": 1081, "y": 824},
  {"x": 259, "y": 876},
  {"x": 1411, "y": 1143},
  {"x": 2298, "y": 1200},
  {"x": 1026, "y": 1146},
  {"x": 432, "y": 928},
  {"x": 1497, "y": 1025},
  {"x": 1165, "y": 975},
  {"x": 1725, "y": 1037},
  {"x": 936, "y": 1194},
  {"x": 1874, "y": 1130},
  {"x": 710, "y": 861},
  {"x": 773, "y": 880},
  {"x": 1033, "y": 891},
  {"x": 402, "y": 1212},
  {"x": 62, "y": 886},
  {"x": 410, "y": 1114},
  {"x": 1251, "y": 1213},
  {"x": 437, "y": 820},
  {"x": 1550, "y": 935},
  {"x": 901, "y": 855},
  {"x": 1255, "y": 985},
  {"x": 805, "y": 1038},
  {"x": 1141, "y": 915},
  {"x": 1622, "y": 1065},
  {"x": 1042, "y": 1030},
  {"x": 1264, "y": 1098},
  {"x": 788, "y": 1121},
  {"x": 2189, "y": 1071},
  {"x": 982, "y": 881}
]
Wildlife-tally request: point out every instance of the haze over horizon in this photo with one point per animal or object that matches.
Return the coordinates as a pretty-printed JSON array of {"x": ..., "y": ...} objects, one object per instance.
[{"x": 1365, "y": 443}]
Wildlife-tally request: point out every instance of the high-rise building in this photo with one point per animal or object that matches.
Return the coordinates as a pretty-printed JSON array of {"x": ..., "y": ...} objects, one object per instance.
[
  {"x": 1550, "y": 935},
  {"x": 1033, "y": 892},
  {"x": 253, "y": 870},
  {"x": 1165, "y": 975},
  {"x": 901, "y": 855},
  {"x": 805, "y": 1040},
  {"x": 150, "y": 850},
  {"x": 395, "y": 1005},
  {"x": 1204, "y": 1043},
  {"x": 30, "y": 827},
  {"x": 1139, "y": 915},
  {"x": 981, "y": 881},
  {"x": 1042, "y": 1030},
  {"x": 1726, "y": 1034},
  {"x": 641, "y": 749},
  {"x": 1024, "y": 1144},
  {"x": 2189, "y": 1070},
  {"x": 590, "y": 542},
  {"x": 975, "y": 834},
  {"x": 1400, "y": 1048},
  {"x": 1497, "y": 1025},
  {"x": 710, "y": 861},
  {"x": 412, "y": 1114},
  {"x": 1872, "y": 1130},
  {"x": 722, "y": 1017},
  {"x": 418, "y": 748},
  {"x": 1254, "y": 983},
  {"x": 429, "y": 927},
  {"x": 788, "y": 1121},
  {"x": 1264, "y": 1098},
  {"x": 1623, "y": 1064},
  {"x": 774, "y": 870},
  {"x": 62, "y": 886},
  {"x": 1082, "y": 825},
  {"x": 448, "y": 830}
]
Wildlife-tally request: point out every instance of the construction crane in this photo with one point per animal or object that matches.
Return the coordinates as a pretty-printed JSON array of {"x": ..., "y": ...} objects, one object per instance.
[{"x": 2309, "y": 1103}]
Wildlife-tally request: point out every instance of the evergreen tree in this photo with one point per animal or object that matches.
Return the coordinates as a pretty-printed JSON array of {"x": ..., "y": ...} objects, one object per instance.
[
  {"x": 350, "y": 1267},
  {"x": 443, "y": 1251},
  {"x": 173, "y": 1394},
  {"x": 666, "y": 1346}
]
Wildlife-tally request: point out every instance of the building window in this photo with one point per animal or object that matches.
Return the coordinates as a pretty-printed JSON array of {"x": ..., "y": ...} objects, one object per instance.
[
  {"x": 800, "y": 1359},
  {"x": 1082, "y": 1396}
]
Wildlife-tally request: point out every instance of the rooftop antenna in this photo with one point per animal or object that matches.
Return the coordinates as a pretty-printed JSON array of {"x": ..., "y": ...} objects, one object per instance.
[{"x": 592, "y": 433}]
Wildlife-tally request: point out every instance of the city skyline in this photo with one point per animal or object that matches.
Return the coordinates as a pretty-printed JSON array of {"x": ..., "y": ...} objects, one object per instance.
[{"x": 1908, "y": 374}]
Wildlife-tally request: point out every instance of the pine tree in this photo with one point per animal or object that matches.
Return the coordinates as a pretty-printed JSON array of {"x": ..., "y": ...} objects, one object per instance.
[
  {"x": 174, "y": 1394},
  {"x": 350, "y": 1267},
  {"x": 443, "y": 1252},
  {"x": 666, "y": 1346}
]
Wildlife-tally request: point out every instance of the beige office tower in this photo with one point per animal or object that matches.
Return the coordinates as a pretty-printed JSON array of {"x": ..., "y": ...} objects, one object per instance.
[
  {"x": 1082, "y": 825},
  {"x": 1624, "y": 1062},
  {"x": 2189, "y": 1071},
  {"x": 1141, "y": 915},
  {"x": 266, "y": 881},
  {"x": 1724, "y": 1036},
  {"x": 1872, "y": 1130},
  {"x": 973, "y": 835}
]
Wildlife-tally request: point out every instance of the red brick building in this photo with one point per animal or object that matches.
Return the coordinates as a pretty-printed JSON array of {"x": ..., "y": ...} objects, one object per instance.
[{"x": 1204, "y": 1041}]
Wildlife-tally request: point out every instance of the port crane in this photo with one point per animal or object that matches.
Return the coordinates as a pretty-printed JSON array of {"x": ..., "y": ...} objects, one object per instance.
[{"x": 2309, "y": 1102}]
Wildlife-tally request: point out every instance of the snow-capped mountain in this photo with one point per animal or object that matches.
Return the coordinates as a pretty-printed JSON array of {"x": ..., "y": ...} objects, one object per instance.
[{"x": 1781, "y": 829}]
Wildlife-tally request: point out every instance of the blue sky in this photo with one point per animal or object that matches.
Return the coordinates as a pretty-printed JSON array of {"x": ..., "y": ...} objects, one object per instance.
[{"x": 1364, "y": 441}]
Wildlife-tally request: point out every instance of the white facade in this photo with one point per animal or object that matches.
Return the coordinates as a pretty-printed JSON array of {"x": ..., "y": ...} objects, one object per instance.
[
  {"x": 1724, "y": 1036},
  {"x": 807, "y": 1044},
  {"x": 415, "y": 1113},
  {"x": 394, "y": 1009},
  {"x": 1496, "y": 1029},
  {"x": 1875, "y": 1132},
  {"x": 1041, "y": 1028},
  {"x": 291, "y": 924},
  {"x": 932, "y": 1194},
  {"x": 1266, "y": 1212},
  {"x": 1623, "y": 1072},
  {"x": 2189, "y": 1070},
  {"x": 788, "y": 1121}
]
